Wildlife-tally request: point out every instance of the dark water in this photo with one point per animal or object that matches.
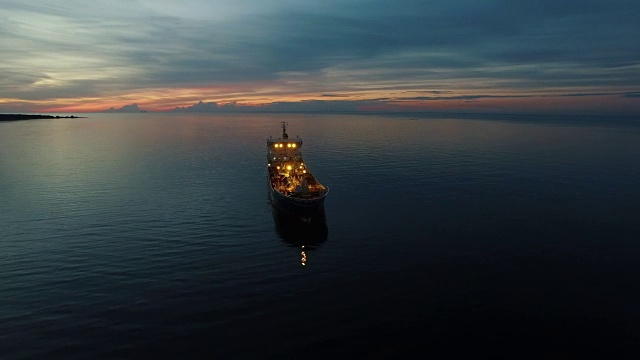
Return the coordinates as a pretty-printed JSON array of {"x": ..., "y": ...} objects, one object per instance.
[{"x": 129, "y": 236}]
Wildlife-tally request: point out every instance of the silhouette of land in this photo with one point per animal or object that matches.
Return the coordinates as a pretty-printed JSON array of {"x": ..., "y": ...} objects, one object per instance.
[{"x": 18, "y": 117}]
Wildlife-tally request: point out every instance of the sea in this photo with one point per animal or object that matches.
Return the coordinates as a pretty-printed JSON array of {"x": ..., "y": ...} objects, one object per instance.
[{"x": 151, "y": 235}]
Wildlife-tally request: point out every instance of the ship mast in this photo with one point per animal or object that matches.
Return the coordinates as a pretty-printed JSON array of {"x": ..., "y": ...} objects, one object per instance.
[{"x": 284, "y": 130}]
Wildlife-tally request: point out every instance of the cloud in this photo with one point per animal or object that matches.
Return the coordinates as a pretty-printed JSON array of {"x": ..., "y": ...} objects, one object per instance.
[
  {"x": 359, "y": 49},
  {"x": 133, "y": 108},
  {"x": 284, "y": 106},
  {"x": 463, "y": 97},
  {"x": 620, "y": 94},
  {"x": 213, "y": 107}
]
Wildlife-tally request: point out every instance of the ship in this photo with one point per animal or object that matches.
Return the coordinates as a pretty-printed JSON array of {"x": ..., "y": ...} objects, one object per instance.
[{"x": 292, "y": 186}]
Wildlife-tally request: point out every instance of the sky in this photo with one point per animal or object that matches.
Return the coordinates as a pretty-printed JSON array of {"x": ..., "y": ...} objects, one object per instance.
[{"x": 549, "y": 56}]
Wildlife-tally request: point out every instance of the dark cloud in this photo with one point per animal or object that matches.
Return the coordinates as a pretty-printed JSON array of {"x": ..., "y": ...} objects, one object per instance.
[
  {"x": 464, "y": 97},
  {"x": 477, "y": 39},
  {"x": 621, "y": 94},
  {"x": 202, "y": 107},
  {"x": 133, "y": 108}
]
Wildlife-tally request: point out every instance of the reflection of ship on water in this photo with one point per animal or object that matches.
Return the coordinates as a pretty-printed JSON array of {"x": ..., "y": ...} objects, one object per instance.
[
  {"x": 308, "y": 233},
  {"x": 297, "y": 230}
]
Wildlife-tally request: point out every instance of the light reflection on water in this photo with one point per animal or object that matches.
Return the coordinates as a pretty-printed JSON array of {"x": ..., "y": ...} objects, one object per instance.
[
  {"x": 127, "y": 234},
  {"x": 307, "y": 233}
]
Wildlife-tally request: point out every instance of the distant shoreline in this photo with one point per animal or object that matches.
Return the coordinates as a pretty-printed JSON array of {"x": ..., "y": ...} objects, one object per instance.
[{"x": 18, "y": 117}]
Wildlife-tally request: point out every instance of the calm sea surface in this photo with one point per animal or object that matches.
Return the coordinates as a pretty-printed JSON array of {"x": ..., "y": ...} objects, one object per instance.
[{"x": 135, "y": 235}]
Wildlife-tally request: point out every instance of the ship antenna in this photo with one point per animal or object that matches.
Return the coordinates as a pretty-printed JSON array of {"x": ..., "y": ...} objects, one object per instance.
[{"x": 284, "y": 130}]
